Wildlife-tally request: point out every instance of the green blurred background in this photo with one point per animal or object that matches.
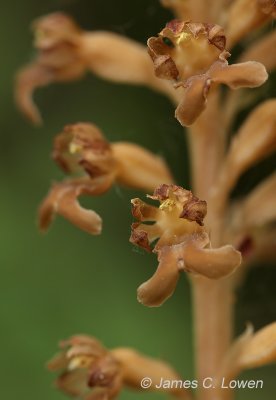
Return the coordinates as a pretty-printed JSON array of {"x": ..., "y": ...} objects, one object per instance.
[{"x": 68, "y": 282}]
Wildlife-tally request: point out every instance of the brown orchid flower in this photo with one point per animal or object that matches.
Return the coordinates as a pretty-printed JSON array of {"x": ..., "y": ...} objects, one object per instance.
[
  {"x": 65, "y": 52},
  {"x": 81, "y": 149},
  {"x": 250, "y": 350},
  {"x": 183, "y": 243},
  {"x": 193, "y": 56},
  {"x": 89, "y": 371}
]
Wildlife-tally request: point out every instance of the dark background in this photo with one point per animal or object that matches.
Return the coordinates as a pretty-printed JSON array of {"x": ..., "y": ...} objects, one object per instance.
[{"x": 68, "y": 282}]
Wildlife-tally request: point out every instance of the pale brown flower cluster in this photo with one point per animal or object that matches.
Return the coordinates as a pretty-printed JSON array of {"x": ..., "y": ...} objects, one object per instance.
[
  {"x": 82, "y": 150},
  {"x": 89, "y": 371},
  {"x": 188, "y": 62}
]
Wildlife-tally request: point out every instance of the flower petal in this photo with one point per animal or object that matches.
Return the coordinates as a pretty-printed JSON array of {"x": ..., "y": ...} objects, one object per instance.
[
  {"x": 139, "y": 168},
  {"x": 162, "y": 284},
  {"x": 73, "y": 383},
  {"x": 193, "y": 101},
  {"x": 248, "y": 74},
  {"x": 140, "y": 236},
  {"x": 59, "y": 362},
  {"x": 211, "y": 263},
  {"x": 137, "y": 366},
  {"x": 27, "y": 80},
  {"x": 143, "y": 211},
  {"x": 62, "y": 199}
]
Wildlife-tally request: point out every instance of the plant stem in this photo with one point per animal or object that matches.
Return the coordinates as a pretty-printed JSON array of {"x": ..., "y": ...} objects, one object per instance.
[
  {"x": 207, "y": 143},
  {"x": 212, "y": 299},
  {"x": 213, "y": 304}
]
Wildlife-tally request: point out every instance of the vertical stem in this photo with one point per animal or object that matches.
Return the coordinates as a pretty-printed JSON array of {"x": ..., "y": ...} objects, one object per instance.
[
  {"x": 212, "y": 299},
  {"x": 213, "y": 331},
  {"x": 207, "y": 143}
]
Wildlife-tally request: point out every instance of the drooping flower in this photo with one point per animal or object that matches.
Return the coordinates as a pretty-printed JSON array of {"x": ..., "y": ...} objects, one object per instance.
[
  {"x": 250, "y": 350},
  {"x": 65, "y": 52},
  {"x": 183, "y": 243},
  {"x": 89, "y": 371},
  {"x": 193, "y": 56},
  {"x": 82, "y": 150}
]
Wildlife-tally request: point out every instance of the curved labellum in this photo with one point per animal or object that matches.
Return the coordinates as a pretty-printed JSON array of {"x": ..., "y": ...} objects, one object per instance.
[{"x": 62, "y": 200}]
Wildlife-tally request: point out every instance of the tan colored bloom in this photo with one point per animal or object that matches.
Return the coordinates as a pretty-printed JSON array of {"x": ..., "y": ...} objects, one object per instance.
[
  {"x": 182, "y": 243},
  {"x": 255, "y": 140},
  {"x": 57, "y": 39},
  {"x": 81, "y": 149},
  {"x": 193, "y": 56},
  {"x": 250, "y": 350},
  {"x": 65, "y": 52},
  {"x": 88, "y": 371}
]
